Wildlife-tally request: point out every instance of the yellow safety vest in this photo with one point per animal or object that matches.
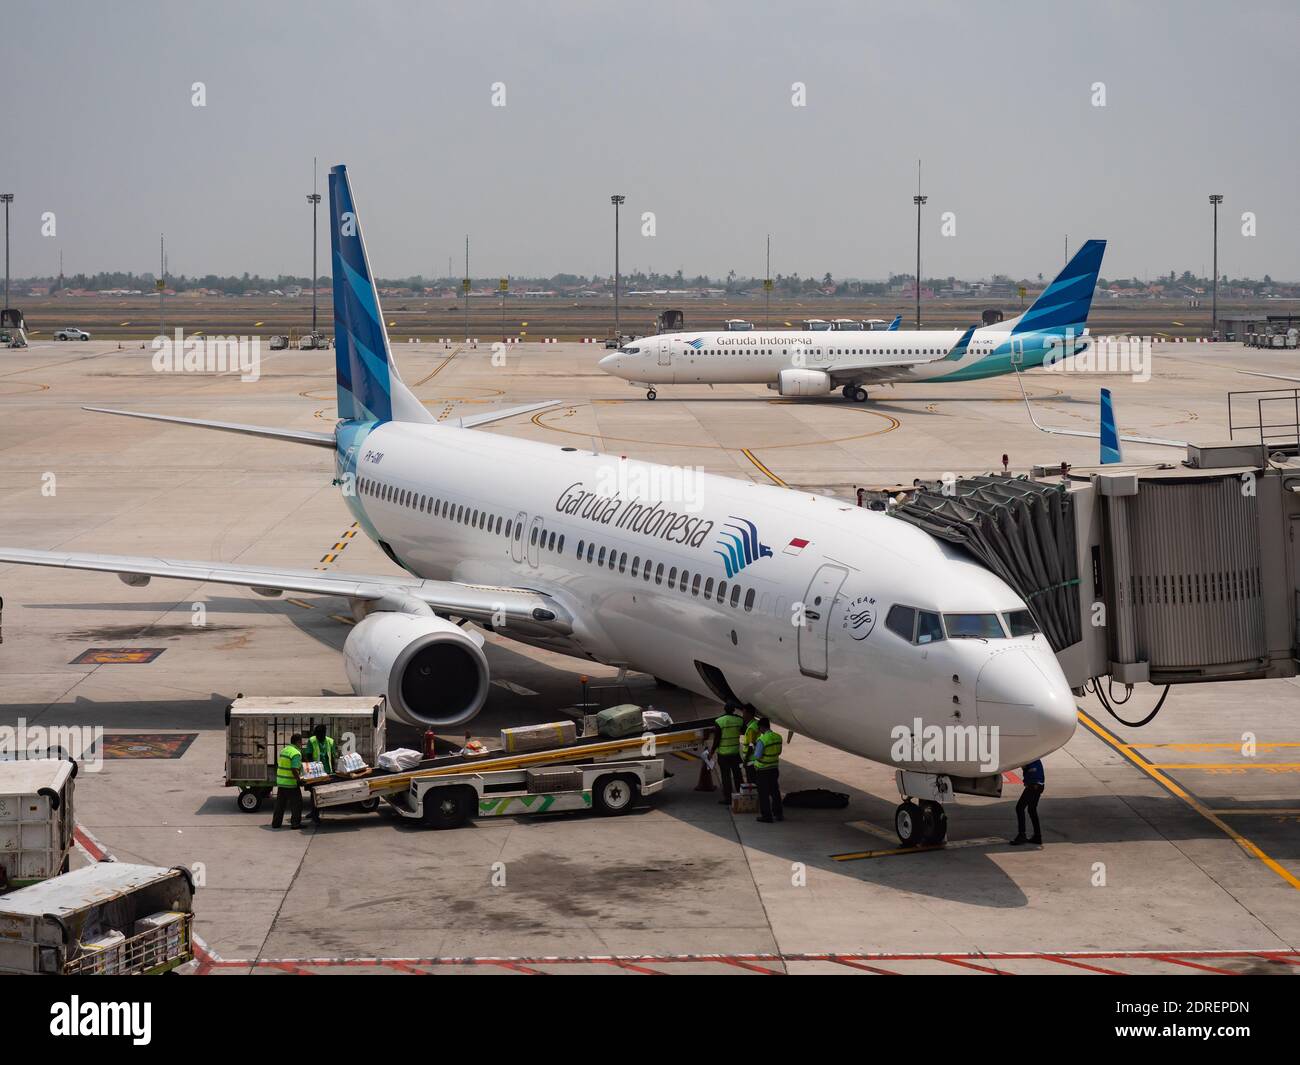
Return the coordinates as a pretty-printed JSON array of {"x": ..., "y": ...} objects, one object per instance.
[
  {"x": 319, "y": 754},
  {"x": 751, "y": 737},
  {"x": 771, "y": 751},
  {"x": 284, "y": 766},
  {"x": 730, "y": 726}
]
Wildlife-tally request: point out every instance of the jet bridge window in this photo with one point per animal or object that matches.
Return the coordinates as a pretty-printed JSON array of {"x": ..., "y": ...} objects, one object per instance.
[{"x": 973, "y": 626}]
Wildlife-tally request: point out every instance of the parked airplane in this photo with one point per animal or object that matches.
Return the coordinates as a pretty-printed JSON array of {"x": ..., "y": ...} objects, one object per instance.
[
  {"x": 842, "y": 624},
  {"x": 815, "y": 363}
]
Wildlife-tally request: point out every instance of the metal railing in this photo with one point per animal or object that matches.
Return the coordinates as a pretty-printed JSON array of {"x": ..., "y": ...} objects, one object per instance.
[{"x": 1276, "y": 414}]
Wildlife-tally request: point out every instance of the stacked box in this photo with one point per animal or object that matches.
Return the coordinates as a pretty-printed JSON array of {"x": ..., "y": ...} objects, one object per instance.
[
  {"x": 165, "y": 941},
  {"x": 106, "y": 949},
  {"x": 745, "y": 801},
  {"x": 538, "y": 737}
]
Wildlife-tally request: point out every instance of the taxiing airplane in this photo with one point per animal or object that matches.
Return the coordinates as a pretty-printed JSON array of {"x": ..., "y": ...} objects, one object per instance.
[
  {"x": 815, "y": 363},
  {"x": 842, "y": 624}
]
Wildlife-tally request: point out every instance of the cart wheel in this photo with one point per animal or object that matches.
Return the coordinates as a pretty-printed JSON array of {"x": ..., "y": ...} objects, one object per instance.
[
  {"x": 448, "y": 807},
  {"x": 249, "y": 801},
  {"x": 614, "y": 795},
  {"x": 370, "y": 804}
]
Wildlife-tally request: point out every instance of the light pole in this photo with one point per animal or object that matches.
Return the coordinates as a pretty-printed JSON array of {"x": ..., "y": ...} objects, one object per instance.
[
  {"x": 313, "y": 199},
  {"x": 919, "y": 200},
  {"x": 617, "y": 201},
  {"x": 1215, "y": 200},
  {"x": 7, "y": 198}
]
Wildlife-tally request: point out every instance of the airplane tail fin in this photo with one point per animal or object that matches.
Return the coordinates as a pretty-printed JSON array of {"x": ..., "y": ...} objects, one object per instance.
[
  {"x": 1110, "y": 446},
  {"x": 369, "y": 386},
  {"x": 893, "y": 326},
  {"x": 1064, "y": 304}
]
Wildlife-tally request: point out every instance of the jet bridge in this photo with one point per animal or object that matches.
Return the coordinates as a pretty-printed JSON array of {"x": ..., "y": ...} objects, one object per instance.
[{"x": 1168, "y": 573}]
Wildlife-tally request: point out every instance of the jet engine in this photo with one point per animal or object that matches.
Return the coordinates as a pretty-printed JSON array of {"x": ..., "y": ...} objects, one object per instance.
[
  {"x": 794, "y": 382},
  {"x": 434, "y": 673}
]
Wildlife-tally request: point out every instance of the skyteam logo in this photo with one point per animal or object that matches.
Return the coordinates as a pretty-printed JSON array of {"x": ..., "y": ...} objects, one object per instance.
[
  {"x": 739, "y": 546},
  {"x": 697, "y": 343}
]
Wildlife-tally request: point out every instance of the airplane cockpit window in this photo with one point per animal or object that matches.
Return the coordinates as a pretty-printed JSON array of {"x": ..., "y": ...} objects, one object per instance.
[
  {"x": 929, "y": 629},
  {"x": 629, "y": 351},
  {"x": 973, "y": 627},
  {"x": 901, "y": 620},
  {"x": 1021, "y": 623}
]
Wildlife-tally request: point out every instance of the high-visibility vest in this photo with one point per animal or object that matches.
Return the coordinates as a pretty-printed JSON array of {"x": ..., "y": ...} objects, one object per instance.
[
  {"x": 284, "y": 777},
  {"x": 751, "y": 737},
  {"x": 730, "y": 727},
  {"x": 771, "y": 751},
  {"x": 322, "y": 752}
]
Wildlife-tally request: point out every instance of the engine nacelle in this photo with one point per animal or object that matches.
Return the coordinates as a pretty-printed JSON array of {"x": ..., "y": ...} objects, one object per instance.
[
  {"x": 433, "y": 673},
  {"x": 794, "y": 382}
]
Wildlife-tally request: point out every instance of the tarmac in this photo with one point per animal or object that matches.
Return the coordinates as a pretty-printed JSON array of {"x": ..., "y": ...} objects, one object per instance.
[{"x": 1167, "y": 849}]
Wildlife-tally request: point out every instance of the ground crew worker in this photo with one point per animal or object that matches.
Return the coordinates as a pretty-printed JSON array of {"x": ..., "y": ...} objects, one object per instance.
[
  {"x": 726, "y": 746},
  {"x": 1034, "y": 779},
  {"x": 767, "y": 762},
  {"x": 748, "y": 739},
  {"x": 321, "y": 748},
  {"x": 288, "y": 784}
]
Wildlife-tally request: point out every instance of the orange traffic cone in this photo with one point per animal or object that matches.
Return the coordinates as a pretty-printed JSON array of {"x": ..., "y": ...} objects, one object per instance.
[{"x": 706, "y": 778}]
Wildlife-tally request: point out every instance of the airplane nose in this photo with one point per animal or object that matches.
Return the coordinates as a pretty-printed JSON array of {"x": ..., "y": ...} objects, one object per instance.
[
  {"x": 610, "y": 363},
  {"x": 1026, "y": 696}
]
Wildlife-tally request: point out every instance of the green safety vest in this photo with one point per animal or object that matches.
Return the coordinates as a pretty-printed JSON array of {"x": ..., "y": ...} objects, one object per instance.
[
  {"x": 751, "y": 736},
  {"x": 771, "y": 751},
  {"x": 284, "y": 766},
  {"x": 318, "y": 754},
  {"x": 730, "y": 726}
]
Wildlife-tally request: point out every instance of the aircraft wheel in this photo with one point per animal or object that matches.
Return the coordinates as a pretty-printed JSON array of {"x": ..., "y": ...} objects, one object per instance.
[
  {"x": 847, "y": 392},
  {"x": 859, "y": 394},
  {"x": 934, "y": 823},
  {"x": 907, "y": 823},
  {"x": 651, "y": 394}
]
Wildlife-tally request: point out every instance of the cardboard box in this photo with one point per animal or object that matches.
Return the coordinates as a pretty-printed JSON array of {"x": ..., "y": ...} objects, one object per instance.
[{"x": 538, "y": 737}]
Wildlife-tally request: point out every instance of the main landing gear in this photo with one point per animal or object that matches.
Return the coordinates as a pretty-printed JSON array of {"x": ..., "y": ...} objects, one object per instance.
[{"x": 855, "y": 393}]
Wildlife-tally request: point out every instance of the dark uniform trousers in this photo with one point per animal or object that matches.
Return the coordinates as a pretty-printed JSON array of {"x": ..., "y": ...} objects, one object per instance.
[
  {"x": 1029, "y": 802},
  {"x": 729, "y": 771},
  {"x": 292, "y": 797},
  {"x": 769, "y": 792}
]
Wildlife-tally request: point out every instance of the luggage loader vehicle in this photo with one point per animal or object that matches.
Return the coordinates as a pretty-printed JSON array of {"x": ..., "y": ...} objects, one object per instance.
[{"x": 597, "y": 773}]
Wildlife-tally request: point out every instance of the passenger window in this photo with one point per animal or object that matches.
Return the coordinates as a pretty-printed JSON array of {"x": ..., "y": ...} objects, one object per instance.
[
  {"x": 622, "y": 562},
  {"x": 686, "y": 577},
  {"x": 560, "y": 546},
  {"x": 636, "y": 565},
  {"x": 901, "y": 620},
  {"x": 708, "y": 588},
  {"x": 646, "y": 574},
  {"x": 659, "y": 574},
  {"x": 929, "y": 629},
  {"x": 672, "y": 577},
  {"x": 600, "y": 560},
  {"x": 695, "y": 585},
  {"x": 510, "y": 527},
  {"x": 735, "y": 595},
  {"x": 550, "y": 544},
  {"x": 591, "y": 552},
  {"x": 532, "y": 538},
  {"x": 581, "y": 545},
  {"x": 722, "y": 591},
  {"x": 749, "y": 600}
]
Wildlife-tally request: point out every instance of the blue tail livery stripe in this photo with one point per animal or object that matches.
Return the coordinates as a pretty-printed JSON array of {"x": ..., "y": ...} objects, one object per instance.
[
  {"x": 1067, "y": 300},
  {"x": 1110, "y": 447},
  {"x": 361, "y": 356}
]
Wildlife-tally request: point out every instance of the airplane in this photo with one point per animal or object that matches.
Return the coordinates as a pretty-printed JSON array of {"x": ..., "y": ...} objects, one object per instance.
[
  {"x": 839, "y": 623},
  {"x": 815, "y": 363}
]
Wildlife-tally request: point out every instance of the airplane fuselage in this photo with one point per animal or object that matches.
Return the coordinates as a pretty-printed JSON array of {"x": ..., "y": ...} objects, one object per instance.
[{"x": 711, "y": 583}]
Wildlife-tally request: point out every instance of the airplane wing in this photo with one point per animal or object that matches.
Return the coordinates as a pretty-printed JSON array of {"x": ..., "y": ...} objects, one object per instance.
[
  {"x": 1161, "y": 441},
  {"x": 1274, "y": 376},
  {"x": 498, "y": 607},
  {"x": 876, "y": 369},
  {"x": 470, "y": 421},
  {"x": 297, "y": 436}
]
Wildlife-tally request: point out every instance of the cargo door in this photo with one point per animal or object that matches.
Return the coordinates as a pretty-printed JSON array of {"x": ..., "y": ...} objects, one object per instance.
[{"x": 814, "y": 633}]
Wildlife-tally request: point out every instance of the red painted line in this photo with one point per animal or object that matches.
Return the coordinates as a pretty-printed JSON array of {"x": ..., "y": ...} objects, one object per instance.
[
  {"x": 520, "y": 968},
  {"x": 971, "y": 965},
  {"x": 90, "y": 845},
  {"x": 1196, "y": 965},
  {"x": 842, "y": 960},
  {"x": 1280, "y": 957},
  {"x": 408, "y": 968},
  {"x": 1061, "y": 959},
  {"x": 732, "y": 960},
  {"x": 621, "y": 964}
]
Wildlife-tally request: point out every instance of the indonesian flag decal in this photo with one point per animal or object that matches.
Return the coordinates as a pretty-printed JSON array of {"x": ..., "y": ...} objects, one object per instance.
[{"x": 795, "y": 546}]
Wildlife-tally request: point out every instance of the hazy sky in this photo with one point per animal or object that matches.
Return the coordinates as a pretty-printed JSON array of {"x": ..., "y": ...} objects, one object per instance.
[{"x": 685, "y": 107}]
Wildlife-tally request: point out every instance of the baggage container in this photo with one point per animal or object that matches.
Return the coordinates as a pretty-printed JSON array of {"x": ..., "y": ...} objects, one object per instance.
[
  {"x": 257, "y": 729},
  {"x": 36, "y": 819},
  {"x": 103, "y": 919}
]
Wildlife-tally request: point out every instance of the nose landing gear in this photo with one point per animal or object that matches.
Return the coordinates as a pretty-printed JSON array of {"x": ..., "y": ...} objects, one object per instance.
[
  {"x": 921, "y": 824},
  {"x": 651, "y": 394}
]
